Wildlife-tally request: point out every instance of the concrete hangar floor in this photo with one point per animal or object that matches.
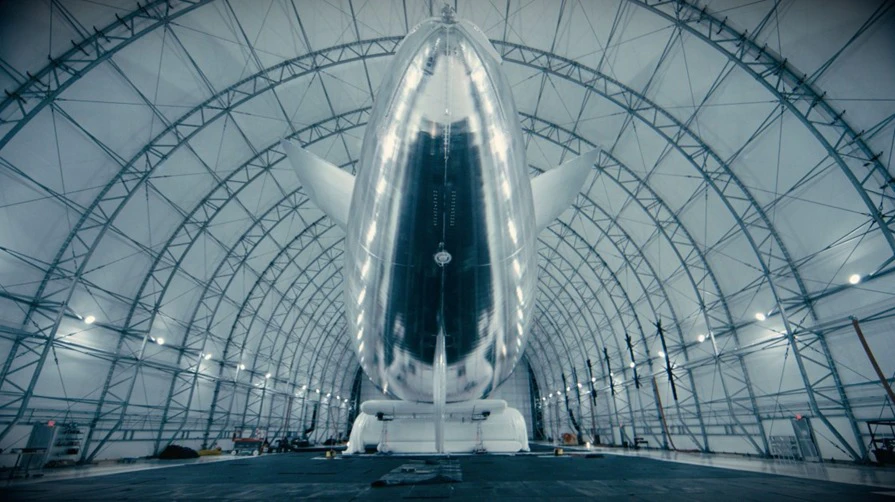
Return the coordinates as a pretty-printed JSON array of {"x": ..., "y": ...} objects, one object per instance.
[{"x": 584, "y": 475}]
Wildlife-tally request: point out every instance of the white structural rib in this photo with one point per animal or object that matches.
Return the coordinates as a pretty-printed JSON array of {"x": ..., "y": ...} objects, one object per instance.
[
  {"x": 554, "y": 190},
  {"x": 328, "y": 186}
]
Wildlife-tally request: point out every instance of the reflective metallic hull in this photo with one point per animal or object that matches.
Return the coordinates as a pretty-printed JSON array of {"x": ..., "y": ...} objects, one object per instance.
[{"x": 441, "y": 234}]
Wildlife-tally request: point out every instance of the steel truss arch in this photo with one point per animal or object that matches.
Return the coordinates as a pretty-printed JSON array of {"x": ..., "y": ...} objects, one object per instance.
[
  {"x": 856, "y": 138},
  {"x": 239, "y": 332},
  {"x": 270, "y": 282},
  {"x": 845, "y": 145},
  {"x": 227, "y": 181},
  {"x": 669, "y": 225},
  {"x": 719, "y": 176},
  {"x": 92, "y": 225},
  {"x": 20, "y": 106}
]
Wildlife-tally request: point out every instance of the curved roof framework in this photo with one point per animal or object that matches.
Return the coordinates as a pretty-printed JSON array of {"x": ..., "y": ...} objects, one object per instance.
[{"x": 144, "y": 187}]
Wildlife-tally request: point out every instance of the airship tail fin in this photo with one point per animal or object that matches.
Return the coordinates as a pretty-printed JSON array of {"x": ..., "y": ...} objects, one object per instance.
[
  {"x": 328, "y": 186},
  {"x": 554, "y": 190}
]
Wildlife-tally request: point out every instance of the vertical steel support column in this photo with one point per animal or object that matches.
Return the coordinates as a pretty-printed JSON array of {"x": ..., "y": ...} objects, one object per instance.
[
  {"x": 668, "y": 440},
  {"x": 879, "y": 373},
  {"x": 667, "y": 363}
]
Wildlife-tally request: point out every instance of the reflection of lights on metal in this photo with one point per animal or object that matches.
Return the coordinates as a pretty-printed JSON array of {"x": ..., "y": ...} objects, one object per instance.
[
  {"x": 517, "y": 267},
  {"x": 519, "y": 294},
  {"x": 700, "y": 338},
  {"x": 414, "y": 75},
  {"x": 520, "y": 314},
  {"x": 371, "y": 233},
  {"x": 760, "y": 316},
  {"x": 631, "y": 364},
  {"x": 268, "y": 375},
  {"x": 593, "y": 379},
  {"x": 511, "y": 227},
  {"x": 207, "y": 356},
  {"x": 389, "y": 145},
  {"x": 365, "y": 268},
  {"x": 160, "y": 341},
  {"x": 90, "y": 319},
  {"x": 661, "y": 354},
  {"x": 479, "y": 77},
  {"x": 519, "y": 328},
  {"x": 360, "y": 347},
  {"x": 380, "y": 185},
  {"x": 242, "y": 366},
  {"x": 360, "y": 333},
  {"x": 361, "y": 296},
  {"x": 499, "y": 142},
  {"x": 852, "y": 279},
  {"x": 505, "y": 185}
]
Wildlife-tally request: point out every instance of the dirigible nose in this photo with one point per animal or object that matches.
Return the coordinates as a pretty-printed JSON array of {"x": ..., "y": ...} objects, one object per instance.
[
  {"x": 446, "y": 71},
  {"x": 447, "y": 34}
]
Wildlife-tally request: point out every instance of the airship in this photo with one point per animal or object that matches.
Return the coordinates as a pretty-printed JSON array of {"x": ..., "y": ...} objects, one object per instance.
[{"x": 441, "y": 220}]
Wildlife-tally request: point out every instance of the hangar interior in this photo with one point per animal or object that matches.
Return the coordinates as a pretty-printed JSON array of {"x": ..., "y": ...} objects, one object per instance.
[{"x": 722, "y": 284}]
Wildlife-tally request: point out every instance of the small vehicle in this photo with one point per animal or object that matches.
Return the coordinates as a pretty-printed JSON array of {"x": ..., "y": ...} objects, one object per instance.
[
  {"x": 247, "y": 446},
  {"x": 300, "y": 443}
]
